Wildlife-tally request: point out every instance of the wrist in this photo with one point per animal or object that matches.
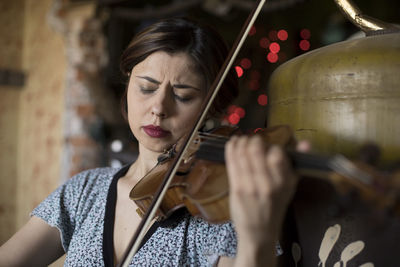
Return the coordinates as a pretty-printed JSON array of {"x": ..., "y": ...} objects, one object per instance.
[{"x": 256, "y": 253}]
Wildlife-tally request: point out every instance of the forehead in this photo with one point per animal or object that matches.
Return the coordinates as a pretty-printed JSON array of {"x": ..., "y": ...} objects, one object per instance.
[{"x": 178, "y": 66}]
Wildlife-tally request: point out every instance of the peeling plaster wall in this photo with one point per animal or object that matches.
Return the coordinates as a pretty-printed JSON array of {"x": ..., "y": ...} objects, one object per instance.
[
  {"x": 45, "y": 124},
  {"x": 31, "y": 117},
  {"x": 41, "y": 119},
  {"x": 11, "y": 46}
]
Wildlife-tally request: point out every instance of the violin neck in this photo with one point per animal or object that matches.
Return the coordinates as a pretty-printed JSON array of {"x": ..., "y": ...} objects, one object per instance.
[
  {"x": 301, "y": 161},
  {"x": 304, "y": 161},
  {"x": 310, "y": 165}
]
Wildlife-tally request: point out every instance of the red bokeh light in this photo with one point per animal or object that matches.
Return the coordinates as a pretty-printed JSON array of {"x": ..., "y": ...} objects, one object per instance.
[
  {"x": 240, "y": 111},
  {"x": 253, "y": 30},
  {"x": 231, "y": 109},
  {"x": 273, "y": 35},
  {"x": 264, "y": 42},
  {"x": 283, "y": 35},
  {"x": 305, "y": 34},
  {"x": 272, "y": 57},
  {"x": 254, "y": 85},
  {"x": 239, "y": 71},
  {"x": 304, "y": 45},
  {"x": 234, "y": 118},
  {"x": 274, "y": 47},
  {"x": 245, "y": 63},
  {"x": 262, "y": 100}
]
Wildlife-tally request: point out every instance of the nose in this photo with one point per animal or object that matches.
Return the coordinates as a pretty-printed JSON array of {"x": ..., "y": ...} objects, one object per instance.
[
  {"x": 160, "y": 104},
  {"x": 160, "y": 114}
]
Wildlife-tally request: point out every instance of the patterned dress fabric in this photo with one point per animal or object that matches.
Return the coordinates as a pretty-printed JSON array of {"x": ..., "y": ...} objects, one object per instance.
[{"x": 78, "y": 207}]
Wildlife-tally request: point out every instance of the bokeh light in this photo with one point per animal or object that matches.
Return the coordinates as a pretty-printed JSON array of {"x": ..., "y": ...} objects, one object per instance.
[
  {"x": 272, "y": 57},
  {"x": 304, "y": 45},
  {"x": 234, "y": 118},
  {"x": 305, "y": 34},
  {"x": 114, "y": 163},
  {"x": 239, "y": 71},
  {"x": 254, "y": 85},
  {"x": 283, "y": 35},
  {"x": 245, "y": 63},
  {"x": 274, "y": 47},
  {"x": 240, "y": 111},
  {"x": 264, "y": 42},
  {"x": 253, "y": 30},
  {"x": 262, "y": 100},
  {"x": 116, "y": 146},
  {"x": 231, "y": 109}
]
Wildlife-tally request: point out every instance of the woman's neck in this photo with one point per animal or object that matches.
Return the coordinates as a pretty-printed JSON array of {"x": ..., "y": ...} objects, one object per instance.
[{"x": 144, "y": 163}]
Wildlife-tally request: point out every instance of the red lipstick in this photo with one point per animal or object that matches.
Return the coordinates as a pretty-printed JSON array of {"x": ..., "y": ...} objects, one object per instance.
[{"x": 155, "y": 131}]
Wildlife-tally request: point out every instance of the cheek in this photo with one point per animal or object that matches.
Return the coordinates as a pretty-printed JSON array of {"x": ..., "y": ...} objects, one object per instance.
[
  {"x": 133, "y": 109},
  {"x": 188, "y": 117},
  {"x": 188, "y": 121}
]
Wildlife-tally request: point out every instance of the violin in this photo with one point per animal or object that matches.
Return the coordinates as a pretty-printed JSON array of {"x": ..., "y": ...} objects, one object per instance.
[{"x": 201, "y": 182}]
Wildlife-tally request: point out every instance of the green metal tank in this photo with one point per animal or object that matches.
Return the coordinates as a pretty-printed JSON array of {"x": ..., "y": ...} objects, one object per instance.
[{"x": 343, "y": 95}]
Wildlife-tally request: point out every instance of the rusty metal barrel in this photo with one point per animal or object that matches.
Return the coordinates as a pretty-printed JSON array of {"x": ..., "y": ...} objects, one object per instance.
[
  {"x": 343, "y": 95},
  {"x": 340, "y": 97}
]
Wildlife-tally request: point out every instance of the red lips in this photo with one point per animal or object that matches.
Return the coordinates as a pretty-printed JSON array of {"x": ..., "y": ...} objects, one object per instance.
[{"x": 155, "y": 131}]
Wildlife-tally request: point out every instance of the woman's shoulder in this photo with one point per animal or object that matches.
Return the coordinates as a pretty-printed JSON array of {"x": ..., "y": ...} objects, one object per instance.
[
  {"x": 90, "y": 179},
  {"x": 93, "y": 175},
  {"x": 83, "y": 187}
]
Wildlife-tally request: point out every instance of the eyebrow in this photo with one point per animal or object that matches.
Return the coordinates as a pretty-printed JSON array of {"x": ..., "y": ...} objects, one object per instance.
[{"x": 180, "y": 86}]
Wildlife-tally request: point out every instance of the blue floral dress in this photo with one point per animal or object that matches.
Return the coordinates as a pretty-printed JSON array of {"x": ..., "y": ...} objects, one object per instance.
[{"x": 79, "y": 210}]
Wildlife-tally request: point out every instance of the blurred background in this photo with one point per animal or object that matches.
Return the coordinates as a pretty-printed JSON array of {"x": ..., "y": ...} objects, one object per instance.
[{"x": 60, "y": 84}]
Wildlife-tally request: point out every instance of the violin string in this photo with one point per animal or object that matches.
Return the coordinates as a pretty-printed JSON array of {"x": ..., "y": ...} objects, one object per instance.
[
  {"x": 211, "y": 139},
  {"x": 214, "y": 149},
  {"x": 209, "y": 144},
  {"x": 213, "y": 136},
  {"x": 309, "y": 161}
]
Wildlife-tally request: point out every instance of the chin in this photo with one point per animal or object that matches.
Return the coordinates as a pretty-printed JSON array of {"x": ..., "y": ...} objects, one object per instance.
[{"x": 159, "y": 146}]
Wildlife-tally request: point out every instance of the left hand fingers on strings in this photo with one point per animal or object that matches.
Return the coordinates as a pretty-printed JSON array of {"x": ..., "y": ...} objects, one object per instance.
[
  {"x": 281, "y": 173},
  {"x": 244, "y": 159}
]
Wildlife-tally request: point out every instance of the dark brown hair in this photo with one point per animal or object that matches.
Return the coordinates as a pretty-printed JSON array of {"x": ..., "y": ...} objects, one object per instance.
[{"x": 203, "y": 44}]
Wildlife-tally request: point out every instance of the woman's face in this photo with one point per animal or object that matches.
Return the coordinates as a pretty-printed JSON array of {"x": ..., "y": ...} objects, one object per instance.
[{"x": 165, "y": 94}]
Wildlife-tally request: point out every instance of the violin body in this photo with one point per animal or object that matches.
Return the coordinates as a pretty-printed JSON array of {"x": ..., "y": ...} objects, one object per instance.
[
  {"x": 199, "y": 185},
  {"x": 192, "y": 187},
  {"x": 201, "y": 182}
]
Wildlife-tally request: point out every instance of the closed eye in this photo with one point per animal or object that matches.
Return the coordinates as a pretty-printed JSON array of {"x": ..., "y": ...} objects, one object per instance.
[
  {"x": 146, "y": 91},
  {"x": 183, "y": 99}
]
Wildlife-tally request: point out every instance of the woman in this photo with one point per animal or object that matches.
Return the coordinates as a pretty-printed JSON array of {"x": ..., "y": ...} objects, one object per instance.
[{"x": 170, "y": 66}]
